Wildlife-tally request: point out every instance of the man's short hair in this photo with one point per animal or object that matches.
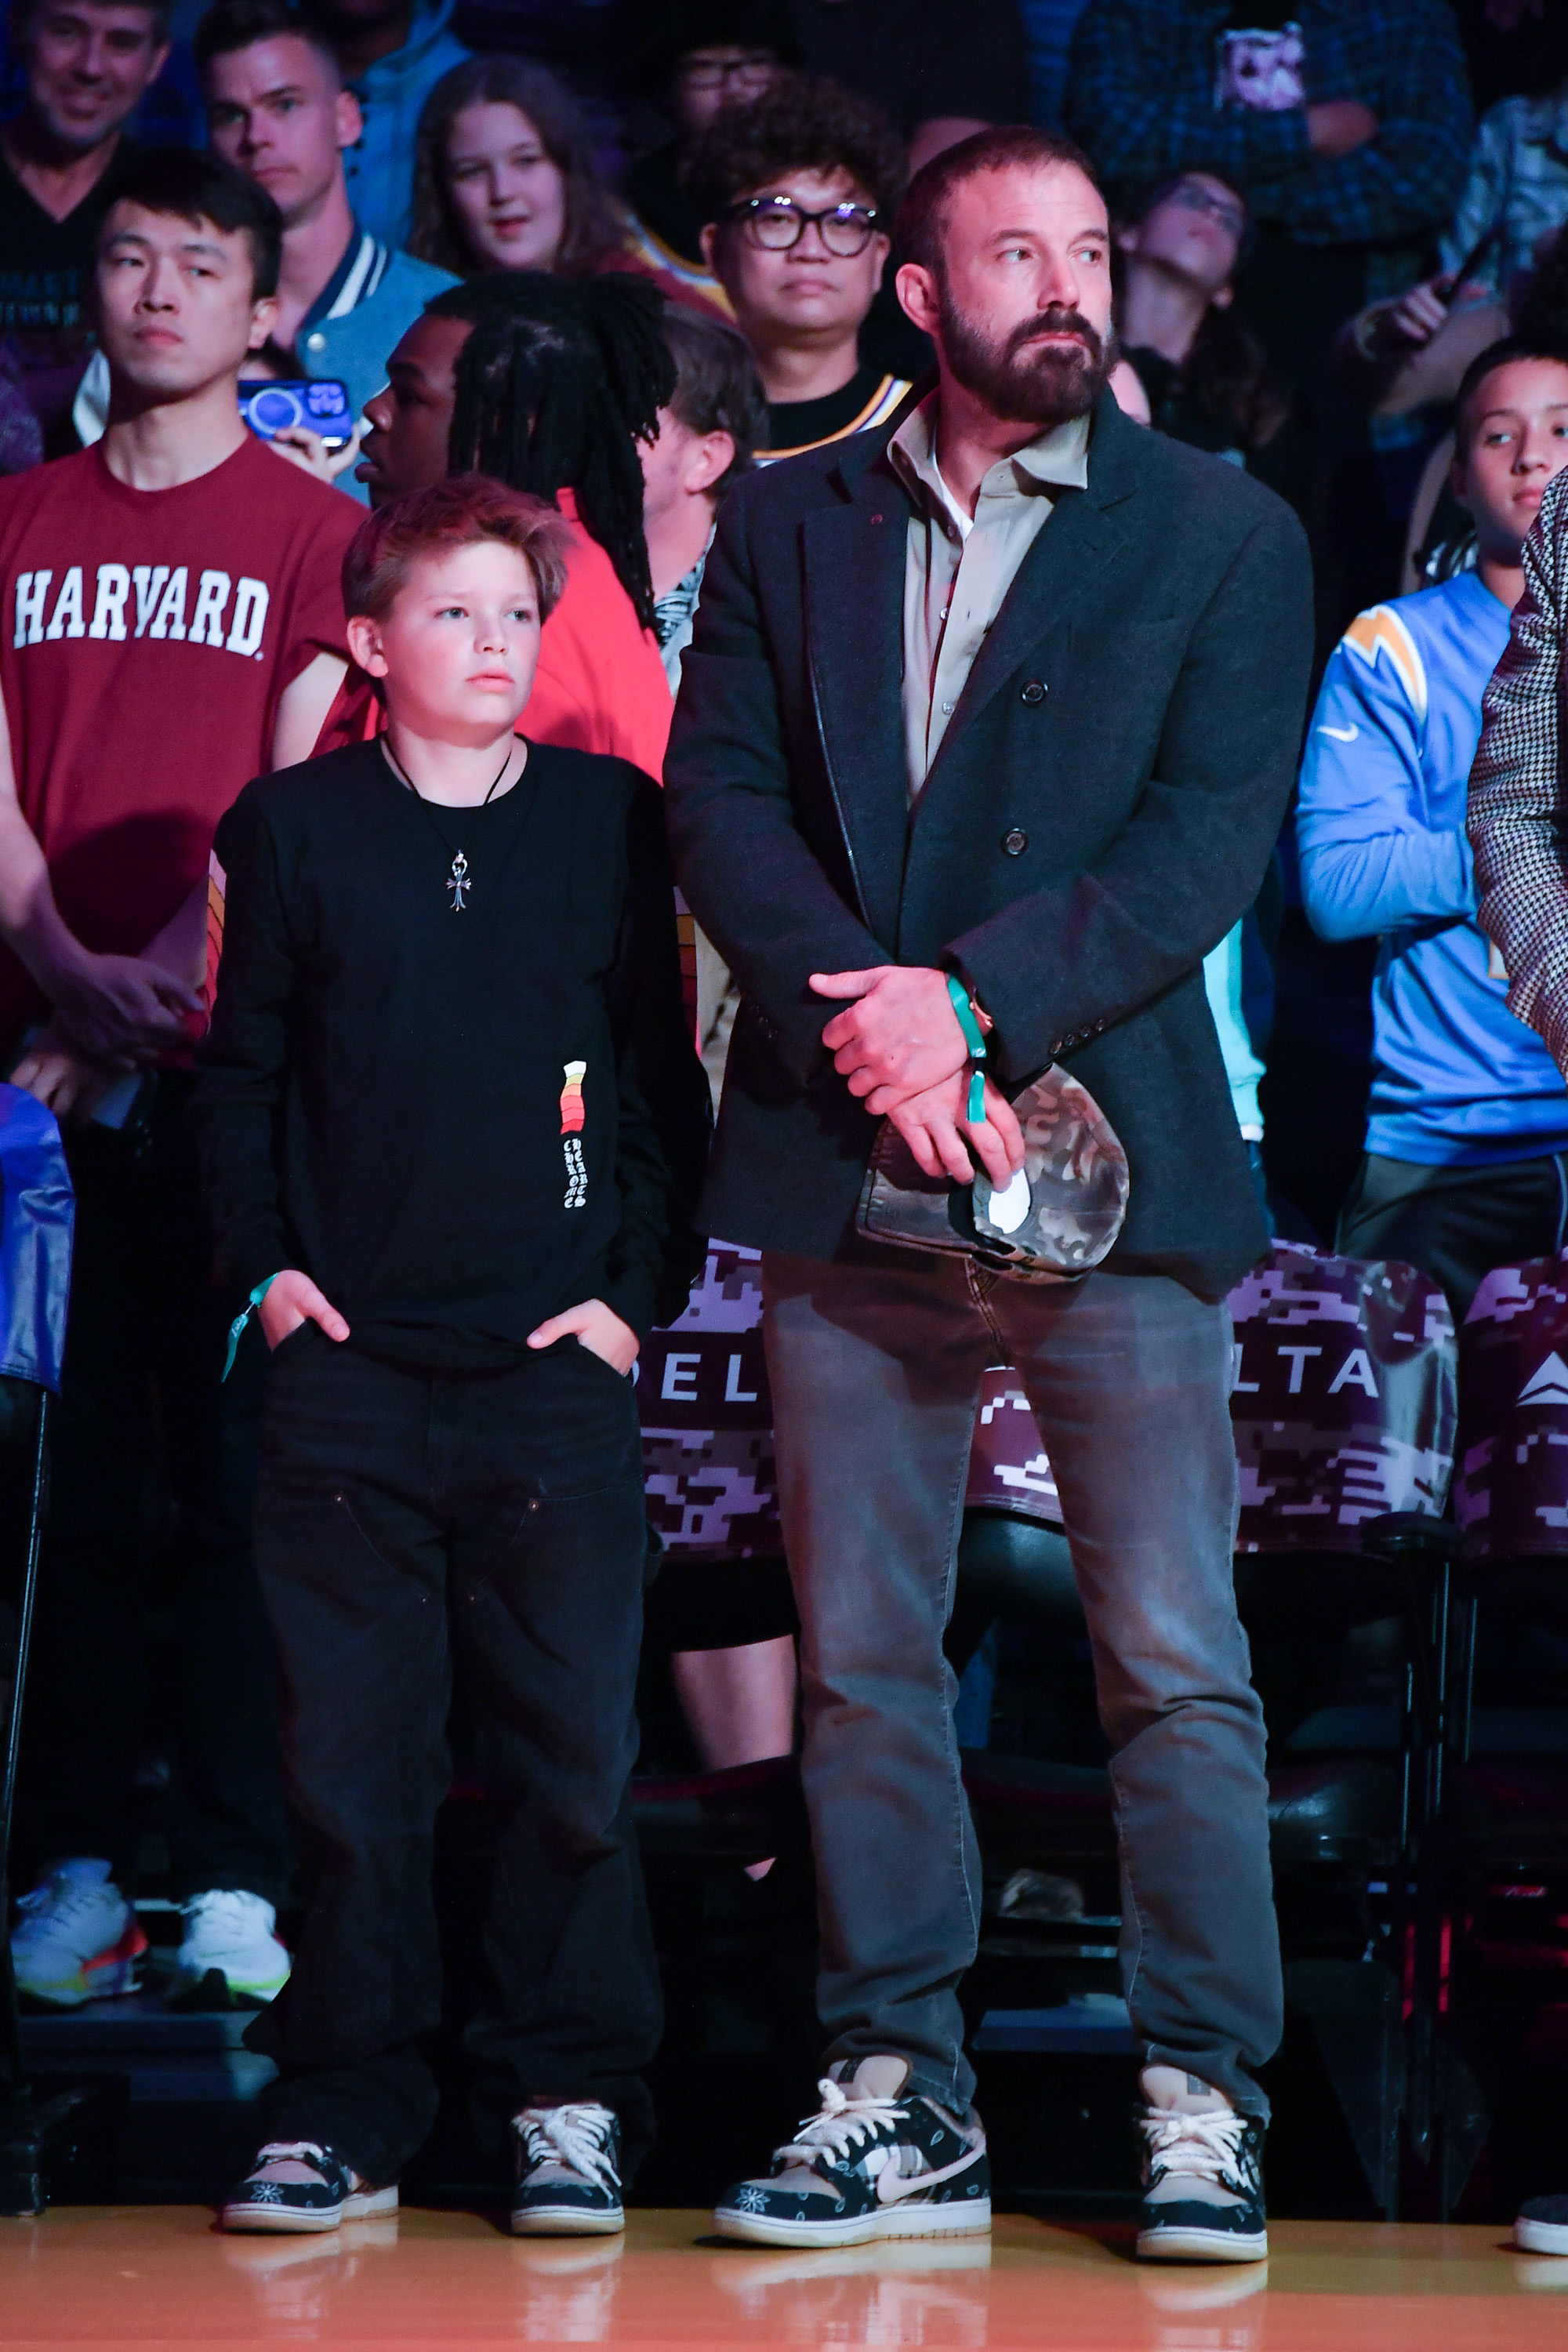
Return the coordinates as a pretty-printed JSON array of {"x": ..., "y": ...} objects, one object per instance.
[
  {"x": 717, "y": 388},
  {"x": 458, "y": 512},
  {"x": 235, "y": 24},
  {"x": 802, "y": 122},
  {"x": 194, "y": 185},
  {"x": 923, "y": 216},
  {"x": 24, "y": 12},
  {"x": 1499, "y": 355}
]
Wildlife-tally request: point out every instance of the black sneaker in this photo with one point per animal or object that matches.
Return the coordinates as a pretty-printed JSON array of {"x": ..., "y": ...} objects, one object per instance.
[
  {"x": 1220, "y": 2153},
  {"x": 568, "y": 2171},
  {"x": 259, "y": 2203},
  {"x": 868, "y": 2164},
  {"x": 1542, "y": 2226}
]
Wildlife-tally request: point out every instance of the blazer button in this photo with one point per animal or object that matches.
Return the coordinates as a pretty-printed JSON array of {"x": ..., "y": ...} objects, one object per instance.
[
  {"x": 1034, "y": 691},
  {"x": 1014, "y": 843}
]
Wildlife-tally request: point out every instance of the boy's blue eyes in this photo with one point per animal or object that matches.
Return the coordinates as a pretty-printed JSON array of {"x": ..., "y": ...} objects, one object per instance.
[{"x": 461, "y": 613}]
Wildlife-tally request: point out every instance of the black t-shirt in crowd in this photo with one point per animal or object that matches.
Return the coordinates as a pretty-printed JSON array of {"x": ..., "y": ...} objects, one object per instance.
[
  {"x": 457, "y": 1123},
  {"x": 46, "y": 272},
  {"x": 920, "y": 59},
  {"x": 1174, "y": 407},
  {"x": 867, "y": 399}
]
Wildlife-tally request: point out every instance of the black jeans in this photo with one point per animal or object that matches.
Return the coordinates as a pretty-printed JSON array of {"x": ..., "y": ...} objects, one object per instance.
[
  {"x": 1455, "y": 1224},
  {"x": 144, "y": 1348},
  {"x": 405, "y": 1516}
]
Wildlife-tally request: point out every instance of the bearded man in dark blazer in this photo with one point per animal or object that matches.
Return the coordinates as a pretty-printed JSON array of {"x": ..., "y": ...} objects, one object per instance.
[{"x": 1009, "y": 692}]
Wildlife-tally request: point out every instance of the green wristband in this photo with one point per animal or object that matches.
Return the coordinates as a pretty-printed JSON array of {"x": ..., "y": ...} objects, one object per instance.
[
  {"x": 966, "y": 1020},
  {"x": 974, "y": 1040},
  {"x": 236, "y": 1329}
]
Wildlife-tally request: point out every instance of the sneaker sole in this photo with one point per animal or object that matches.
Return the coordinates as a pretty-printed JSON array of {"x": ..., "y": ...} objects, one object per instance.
[
  {"x": 1203, "y": 2246},
  {"x": 214, "y": 1991},
  {"x": 75, "y": 1992},
  {"x": 970, "y": 2219},
  {"x": 1541, "y": 2237},
  {"x": 278, "y": 2221},
  {"x": 105, "y": 1977},
  {"x": 566, "y": 2221}
]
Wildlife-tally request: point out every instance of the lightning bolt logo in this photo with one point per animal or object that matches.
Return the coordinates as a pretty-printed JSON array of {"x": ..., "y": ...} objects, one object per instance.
[{"x": 1381, "y": 631}]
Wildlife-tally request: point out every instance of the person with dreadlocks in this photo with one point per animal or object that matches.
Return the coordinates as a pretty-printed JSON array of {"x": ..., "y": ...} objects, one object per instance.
[{"x": 547, "y": 384}]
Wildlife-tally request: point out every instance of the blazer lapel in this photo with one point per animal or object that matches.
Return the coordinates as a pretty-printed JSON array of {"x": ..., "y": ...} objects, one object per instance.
[
  {"x": 1083, "y": 533},
  {"x": 855, "y": 557}
]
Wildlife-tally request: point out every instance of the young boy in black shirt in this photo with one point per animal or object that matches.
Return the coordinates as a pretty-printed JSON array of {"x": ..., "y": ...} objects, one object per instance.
[{"x": 452, "y": 1125}]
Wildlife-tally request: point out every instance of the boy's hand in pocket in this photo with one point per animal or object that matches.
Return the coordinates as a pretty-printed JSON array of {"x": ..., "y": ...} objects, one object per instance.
[
  {"x": 292, "y": 1298},
  {"x": 595, "y": 1327}
]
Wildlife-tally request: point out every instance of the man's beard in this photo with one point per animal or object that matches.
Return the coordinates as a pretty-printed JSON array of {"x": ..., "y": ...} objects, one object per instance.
[{"x": 1022, "y": 379}]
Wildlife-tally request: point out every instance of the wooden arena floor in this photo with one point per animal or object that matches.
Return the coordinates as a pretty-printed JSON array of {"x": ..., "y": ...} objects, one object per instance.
[{"x": 150, "y": 2277}]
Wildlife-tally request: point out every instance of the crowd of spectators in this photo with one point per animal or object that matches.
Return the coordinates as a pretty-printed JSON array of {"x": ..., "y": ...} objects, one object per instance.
[{"x": 615, "y": 258}]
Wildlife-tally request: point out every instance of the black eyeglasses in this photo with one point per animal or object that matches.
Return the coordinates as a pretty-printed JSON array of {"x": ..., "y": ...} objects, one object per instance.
[
  {"x": 776, "y": 223},
  {"x": 717, "y": 73}
]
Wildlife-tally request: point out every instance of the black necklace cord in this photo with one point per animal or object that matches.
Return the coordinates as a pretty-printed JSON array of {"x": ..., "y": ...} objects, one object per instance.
[{"x": 401, "y": 773}]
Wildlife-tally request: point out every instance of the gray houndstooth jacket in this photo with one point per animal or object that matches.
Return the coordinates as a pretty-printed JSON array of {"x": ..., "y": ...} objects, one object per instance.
[{"x": 1517, "y": 817}]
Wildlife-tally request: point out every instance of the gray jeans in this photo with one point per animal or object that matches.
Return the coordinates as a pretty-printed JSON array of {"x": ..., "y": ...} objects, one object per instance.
[{"x": 876, "y": 1377}]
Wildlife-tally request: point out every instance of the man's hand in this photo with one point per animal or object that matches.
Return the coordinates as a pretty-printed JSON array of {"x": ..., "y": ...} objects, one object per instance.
[
  {"x": 899, "y": 1038},
  {"x": 597, "y": 1327},
  {"x": 1418, "y": 314},
  {"x": 1338, "y": 126},
  {"x": 120, "y": 1009},
  {"x": 66, "y": 1081},
  {"x": 933, "y": 1125},
  {"x": 292, "y": 1298}
]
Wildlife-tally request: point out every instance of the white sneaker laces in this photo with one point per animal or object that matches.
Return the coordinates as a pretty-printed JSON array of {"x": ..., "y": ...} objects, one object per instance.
[
  {"x": 64, "y": 1898},
  {"x": 295, "y": 2151},
  {"x": 1206, "y": 2145},
  {"x": 575, "y": 2136},
  {"x": 840, "y": 2125}
]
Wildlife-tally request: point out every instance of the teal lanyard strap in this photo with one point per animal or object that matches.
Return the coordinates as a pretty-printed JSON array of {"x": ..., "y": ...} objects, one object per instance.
[
  {"x": 236, "y": 1329},
  {"x": 976, "y": 1042}
]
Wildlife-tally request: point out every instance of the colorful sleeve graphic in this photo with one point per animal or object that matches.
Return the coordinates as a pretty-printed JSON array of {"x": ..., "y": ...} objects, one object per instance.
[
  {"x": 218, "y": 887},
  {"x": 573, "y": 1113}
]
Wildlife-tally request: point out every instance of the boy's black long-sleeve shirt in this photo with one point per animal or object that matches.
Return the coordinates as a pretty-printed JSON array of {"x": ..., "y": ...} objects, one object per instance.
[{"x": 387, "y": 1097}]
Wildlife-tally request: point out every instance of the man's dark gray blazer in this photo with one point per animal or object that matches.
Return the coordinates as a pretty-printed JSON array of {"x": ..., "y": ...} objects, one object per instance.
[{"x": 1099, "y": 815}]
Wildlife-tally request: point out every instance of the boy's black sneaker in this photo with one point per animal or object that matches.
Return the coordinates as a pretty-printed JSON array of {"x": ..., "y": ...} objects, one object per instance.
[
  {"x": 1542, "y": 2226},
  {"x": 334, "y": 2196},
  {"x": 1203, "y": 2175},
  {"x": 869, "y": 2164},
  {"x": 568, "y": 2171}
]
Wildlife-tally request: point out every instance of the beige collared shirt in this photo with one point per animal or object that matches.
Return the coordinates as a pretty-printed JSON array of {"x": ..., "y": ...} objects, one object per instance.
[{"x": 959, "y": 569}]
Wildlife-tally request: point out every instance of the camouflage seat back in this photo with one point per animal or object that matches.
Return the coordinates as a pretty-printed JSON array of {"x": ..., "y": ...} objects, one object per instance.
[
  {"x": 1343, "y": 1404},
  {"x": 1344, "y": 1407},
  {"x": 1008, "y": 1466},
  {"x": 708, "y": 1419},
  {"x": 1510, "y": 1491}
]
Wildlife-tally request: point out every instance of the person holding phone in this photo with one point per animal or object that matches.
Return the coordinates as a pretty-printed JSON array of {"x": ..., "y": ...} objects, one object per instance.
[
  {"x": 278, "y": 109},
  {"x": 171, "y": 624}
]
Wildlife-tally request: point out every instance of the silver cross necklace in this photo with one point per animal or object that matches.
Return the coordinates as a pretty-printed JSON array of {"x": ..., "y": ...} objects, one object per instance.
[{"x": 457, "y": 881}]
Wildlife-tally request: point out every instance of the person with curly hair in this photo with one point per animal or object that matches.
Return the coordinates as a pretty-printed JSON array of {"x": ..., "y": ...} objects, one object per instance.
[
  {"x": 548, "y": 384},
  {"x": 797, "y": 192},
  {"x": 504, "y": 179}
]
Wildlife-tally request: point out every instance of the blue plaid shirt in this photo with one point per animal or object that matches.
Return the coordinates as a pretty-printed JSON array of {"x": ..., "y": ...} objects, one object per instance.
[
  {"x": 1140, "y": 100},
  {"x": 1517, "y": 184}
]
